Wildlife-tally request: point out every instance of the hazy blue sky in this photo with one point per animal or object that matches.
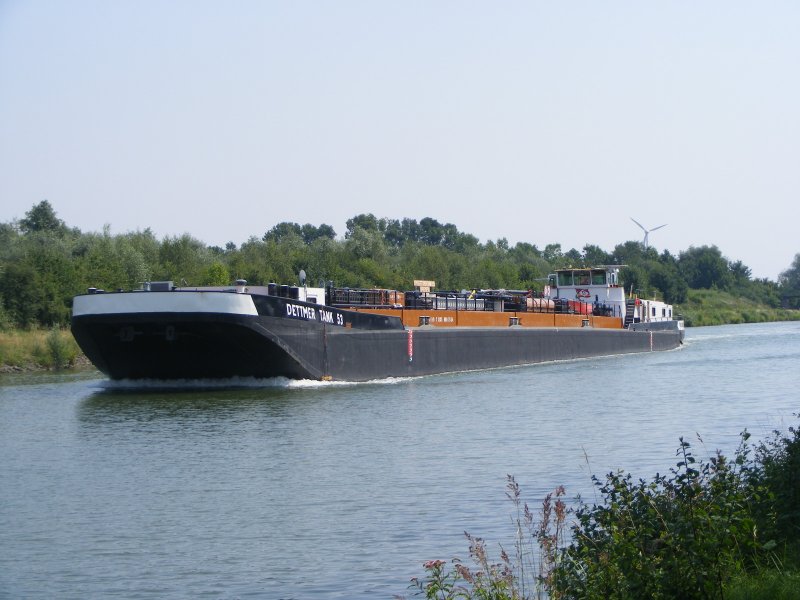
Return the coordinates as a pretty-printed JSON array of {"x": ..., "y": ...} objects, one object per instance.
[{"x": 531, "y": 121}]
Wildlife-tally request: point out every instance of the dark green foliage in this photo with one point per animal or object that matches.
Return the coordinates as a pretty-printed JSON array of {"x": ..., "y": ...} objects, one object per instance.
[
  {"x": 38, "y": 281},
  {"x": 181, "y": 259},
  {"x": 789, "y": 282},
  {"x": 778, "y": 470},
  {"x": 308, "y": 233},
  {"x": 678, "y": 536},
  {"x": 594, "y": 255},
  {"x": 664, "y": 276},
  {"x": 705, "y": 267},
  {"x": 42, "y": 218}
]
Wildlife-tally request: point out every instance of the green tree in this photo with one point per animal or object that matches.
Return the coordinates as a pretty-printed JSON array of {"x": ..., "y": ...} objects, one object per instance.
[
  {"x": 629, "y": 253},
  {"x": 367, "y": 222},
  {"x": 740, "y": 273},
  {"x": 573, "y": 258},
  {"x": 665, "y": 277},
  {"x": 554, "y": 255},
  {"x": 216, "y": 274},
  {"x": 789, "y": 282},
  {"x": 705, "y": 268},
  {"x": 42, "y": 218},
  {"x": 9, "y": 238},
  {"x": 532, "y": 268},
  {"x": 595, "y": 256},
  {"x": 281, "y": 231},
  {"x": 37, "y": 289},
  {"x": 311, "y": 233},
  {"x": 367, "y": 243},
  {"x": 182, "y": 259}
]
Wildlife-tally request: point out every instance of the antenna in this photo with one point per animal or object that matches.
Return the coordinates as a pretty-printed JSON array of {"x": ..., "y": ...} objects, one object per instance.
[{"x": 647, "y": 231}]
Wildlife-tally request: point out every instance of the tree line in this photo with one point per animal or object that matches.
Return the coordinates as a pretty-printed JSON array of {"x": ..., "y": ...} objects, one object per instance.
[{"x": 44, "y": 262}]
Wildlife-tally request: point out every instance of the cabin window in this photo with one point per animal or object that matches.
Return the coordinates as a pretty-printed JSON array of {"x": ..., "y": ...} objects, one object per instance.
[
  {"x": 654, "y": 311},
  {"x": 582, "y": 278},
  {"x": 565, "y": 278},
  {"x": 663, "y": 312},
  {"x": 598, "y": 277}
]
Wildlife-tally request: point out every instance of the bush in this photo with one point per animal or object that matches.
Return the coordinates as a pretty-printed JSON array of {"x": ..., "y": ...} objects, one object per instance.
[
  {"x": 778, "y": 471},
  {"x": 53, "y": 350},
  {"x": 710, "y": 529},
  {"x": 679, "y": 536},
  {"x": 57, "y": 348}
]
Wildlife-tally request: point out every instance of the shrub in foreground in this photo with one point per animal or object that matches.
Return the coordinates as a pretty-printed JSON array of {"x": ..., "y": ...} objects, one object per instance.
[
  {"x": 711, "y": 528},
  {"x": 682, "y": 535}
]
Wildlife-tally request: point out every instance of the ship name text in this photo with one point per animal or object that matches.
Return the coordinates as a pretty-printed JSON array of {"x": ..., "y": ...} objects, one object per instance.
[{"x": 308, "y": 313}]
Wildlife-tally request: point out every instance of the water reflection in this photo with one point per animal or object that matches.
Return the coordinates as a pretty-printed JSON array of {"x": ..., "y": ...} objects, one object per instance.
[
  {"x": 115, "y": 405},
  {"x": 114, "y": 402}
]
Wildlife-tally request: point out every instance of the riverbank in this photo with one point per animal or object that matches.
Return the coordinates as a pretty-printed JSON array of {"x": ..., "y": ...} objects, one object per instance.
[
  {"x": 39, "y": 350},
  {"x": 714, "y": 307}
]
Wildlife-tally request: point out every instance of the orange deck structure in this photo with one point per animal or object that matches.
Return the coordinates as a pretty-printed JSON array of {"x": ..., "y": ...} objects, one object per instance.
[{"x": 471, "y": 318}]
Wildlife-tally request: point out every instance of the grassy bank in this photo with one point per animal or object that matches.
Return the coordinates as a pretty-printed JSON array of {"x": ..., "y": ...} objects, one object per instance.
[
  {"x": 714, "y": 307},
  {"x": 35, "y": 349}
]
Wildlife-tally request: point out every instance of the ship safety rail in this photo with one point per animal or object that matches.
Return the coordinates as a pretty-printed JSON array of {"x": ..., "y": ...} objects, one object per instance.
[
  {"x": 483, "y": 300},
  {"x": 504, "y": 301},
  {"x": 365, "y": 298}
]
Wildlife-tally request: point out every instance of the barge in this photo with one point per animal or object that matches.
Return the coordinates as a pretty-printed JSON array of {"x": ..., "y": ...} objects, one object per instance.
[{"x": 169, "y": 332}]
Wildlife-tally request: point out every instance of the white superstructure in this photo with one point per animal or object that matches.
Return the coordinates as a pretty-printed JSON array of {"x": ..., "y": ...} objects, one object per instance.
[{"x": 601, "y": 288}]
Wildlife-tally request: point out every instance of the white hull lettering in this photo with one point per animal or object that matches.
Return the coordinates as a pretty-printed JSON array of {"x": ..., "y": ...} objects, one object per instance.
[
  {"x": 301, "y": 312},
  {"x": 311, "y": 314}
]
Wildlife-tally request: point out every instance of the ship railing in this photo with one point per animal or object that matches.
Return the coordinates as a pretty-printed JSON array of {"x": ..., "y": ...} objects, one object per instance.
[
  {"x": 366, "y": 298},
  {"x": 483, "y": 301},
  {"x": 444, "y": 302}
]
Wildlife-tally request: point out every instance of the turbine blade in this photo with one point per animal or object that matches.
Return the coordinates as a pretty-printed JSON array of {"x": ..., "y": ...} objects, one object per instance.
[
  {"x": 659, "y": 227},
  {"x": 639, "y": 224}
]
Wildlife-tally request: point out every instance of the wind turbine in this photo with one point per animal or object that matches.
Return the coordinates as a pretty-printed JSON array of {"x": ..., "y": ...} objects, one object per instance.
[{"x": 647, "y": 231}]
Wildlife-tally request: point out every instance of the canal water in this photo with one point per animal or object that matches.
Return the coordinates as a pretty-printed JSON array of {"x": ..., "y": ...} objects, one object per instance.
[{"x": 278, "y": 489}]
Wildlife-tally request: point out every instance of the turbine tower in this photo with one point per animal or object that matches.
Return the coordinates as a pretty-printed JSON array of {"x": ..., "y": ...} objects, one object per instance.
[{"x": 647, "y": 231}]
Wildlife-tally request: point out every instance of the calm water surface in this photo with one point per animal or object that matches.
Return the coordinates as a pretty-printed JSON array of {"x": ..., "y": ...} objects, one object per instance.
[{"x": 310, "y": 490}]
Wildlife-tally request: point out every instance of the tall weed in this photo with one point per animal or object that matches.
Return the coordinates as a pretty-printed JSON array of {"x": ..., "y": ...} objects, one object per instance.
[{"x": 526, "y": 573}]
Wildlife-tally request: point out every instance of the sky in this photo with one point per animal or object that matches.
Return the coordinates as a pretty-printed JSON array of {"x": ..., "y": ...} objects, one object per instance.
[{"x": 538, "y": 122}]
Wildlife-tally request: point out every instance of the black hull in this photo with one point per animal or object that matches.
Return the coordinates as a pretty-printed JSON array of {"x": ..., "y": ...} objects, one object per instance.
[
  {"x": 461, "y": 349},
  {"x": 212, "y": 346}
]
